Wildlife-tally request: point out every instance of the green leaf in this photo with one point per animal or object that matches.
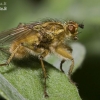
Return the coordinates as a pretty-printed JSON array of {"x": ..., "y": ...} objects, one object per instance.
[{"x": 23, "y": 80}]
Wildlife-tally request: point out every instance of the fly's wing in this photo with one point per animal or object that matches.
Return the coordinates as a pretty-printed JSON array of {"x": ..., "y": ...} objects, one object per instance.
[{"x": 7, "y": 37}]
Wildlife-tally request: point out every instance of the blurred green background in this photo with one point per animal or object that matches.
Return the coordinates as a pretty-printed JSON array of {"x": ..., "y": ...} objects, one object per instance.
[{"x": 81, "y": 11}]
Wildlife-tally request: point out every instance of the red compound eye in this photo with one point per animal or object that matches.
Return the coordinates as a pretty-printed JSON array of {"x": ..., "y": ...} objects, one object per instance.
[{"x": 71, "y": 28}]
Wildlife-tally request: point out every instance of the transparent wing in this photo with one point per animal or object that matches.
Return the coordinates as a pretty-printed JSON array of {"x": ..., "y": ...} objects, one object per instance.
[{"x": 7, "y": 37}]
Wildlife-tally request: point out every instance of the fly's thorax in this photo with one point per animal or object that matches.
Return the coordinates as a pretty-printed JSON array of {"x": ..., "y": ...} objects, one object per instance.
[{"x": 53, "y": 27}]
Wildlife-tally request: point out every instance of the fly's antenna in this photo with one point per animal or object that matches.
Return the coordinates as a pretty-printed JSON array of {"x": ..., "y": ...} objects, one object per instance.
[{"x": 81, "y": 25}]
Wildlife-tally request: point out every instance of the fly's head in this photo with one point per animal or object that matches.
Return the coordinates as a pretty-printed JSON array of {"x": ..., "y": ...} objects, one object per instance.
[{"x": 71, "y": 28}]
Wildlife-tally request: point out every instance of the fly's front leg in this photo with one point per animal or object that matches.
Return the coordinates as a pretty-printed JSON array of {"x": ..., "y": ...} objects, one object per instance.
[
  {"x": 11, "y": 57},
  {"x": 61, "y": 65},
  {"x": 60, "y": 50},
  {"x": 44, "y": 70}
]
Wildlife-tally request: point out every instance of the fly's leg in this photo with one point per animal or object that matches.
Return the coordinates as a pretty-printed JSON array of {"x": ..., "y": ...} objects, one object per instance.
[
  {"x": 45, "y": 52},
  {"x": 45, "y": 76},
  {"x": 71, "y": 67},
  {"x": 61, "y": 65},
  {"x": 60, "y": 50},
  {"x": 44, "y": 71},
  {"x": 11, "y": 57}
]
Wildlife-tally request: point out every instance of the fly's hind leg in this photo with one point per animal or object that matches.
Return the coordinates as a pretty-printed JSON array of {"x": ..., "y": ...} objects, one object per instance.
[
  {"x": 44, "y": 70},
  {"x": 11, "y": 57}
]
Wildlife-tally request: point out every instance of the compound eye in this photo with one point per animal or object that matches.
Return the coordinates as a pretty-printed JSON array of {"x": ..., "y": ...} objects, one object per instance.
[{"x": 71, "y": 28}]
